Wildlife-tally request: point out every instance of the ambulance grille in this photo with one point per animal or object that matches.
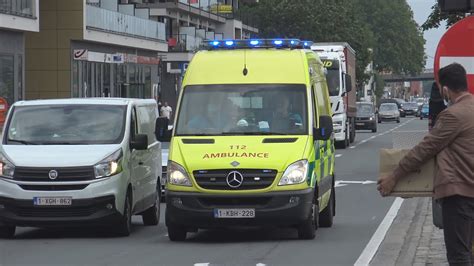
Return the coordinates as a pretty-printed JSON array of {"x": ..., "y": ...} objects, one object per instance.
[{"x": 252, "y": 179}]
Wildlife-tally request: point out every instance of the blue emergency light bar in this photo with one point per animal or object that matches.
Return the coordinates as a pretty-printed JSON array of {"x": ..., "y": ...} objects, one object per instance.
[{"x": 257, "y": 43}]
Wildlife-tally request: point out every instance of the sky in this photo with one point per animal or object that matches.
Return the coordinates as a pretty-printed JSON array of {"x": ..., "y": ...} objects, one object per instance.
[{"x": 421, "y": 11}]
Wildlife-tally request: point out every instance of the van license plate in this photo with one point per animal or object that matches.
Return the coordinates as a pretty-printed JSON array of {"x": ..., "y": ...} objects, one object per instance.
[
  {"x": 234, "y": 213},
  {"x": 359, "y": 124},
  {"x": 52, "y": 201}
]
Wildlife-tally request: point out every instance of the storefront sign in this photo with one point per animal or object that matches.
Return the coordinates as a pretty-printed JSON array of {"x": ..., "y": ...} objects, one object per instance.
[
  {"x": 222, "y": 9},
  {"x": 117, "y": 58},
  {"x": 80, "y": 54}
]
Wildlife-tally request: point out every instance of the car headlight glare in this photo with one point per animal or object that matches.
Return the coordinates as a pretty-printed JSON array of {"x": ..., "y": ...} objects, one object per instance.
[
  {"x": 296, "y": 173},
  {"x": 110, "y": 166},
  {"x": 7, "y": 169},
  {"x": 177, "y": 175}
]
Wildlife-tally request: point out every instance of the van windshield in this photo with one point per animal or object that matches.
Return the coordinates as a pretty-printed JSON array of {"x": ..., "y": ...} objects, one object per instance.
[
  {"x": 66, "y": 125},
  {"x": 265, "y": 109},
  {"x": 332, "y": 76}
]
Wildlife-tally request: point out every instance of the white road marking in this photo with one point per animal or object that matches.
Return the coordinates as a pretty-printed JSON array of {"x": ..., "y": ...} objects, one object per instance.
[
  {"x": 342, "y": 183},
  {"x": 352, "y": 147},
  {"x": 338, "y": 155},
  {"x": 374, "y": 243},
  {"x": 202, "y": 264},
  {"x": 261, "y": 264}
]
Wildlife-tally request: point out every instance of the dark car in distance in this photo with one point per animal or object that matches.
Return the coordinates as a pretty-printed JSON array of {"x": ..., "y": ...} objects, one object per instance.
[
  {"x": 366, "y": 117},
  {"x": 410, "y": 108}
]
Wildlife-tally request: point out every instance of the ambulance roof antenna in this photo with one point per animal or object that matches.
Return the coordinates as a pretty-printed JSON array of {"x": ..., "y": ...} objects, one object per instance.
[{"x": 245, "y": 71}]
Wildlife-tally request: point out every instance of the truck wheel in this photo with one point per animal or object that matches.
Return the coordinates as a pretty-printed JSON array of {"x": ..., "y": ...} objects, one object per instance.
[
  {"x": 7, "y": 231},
  {"x": 176, "y": 232},
  {"x": 124, "y": 226},
  {"x": 352, "y": 134},
  {"x": 152, "y": 215},
  {"x": 307, "y": 230},
  {"x": 326, "y": 217}
]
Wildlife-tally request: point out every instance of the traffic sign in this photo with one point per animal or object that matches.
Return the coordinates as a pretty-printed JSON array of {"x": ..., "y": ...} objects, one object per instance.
[{"x": 457, "y": 46}]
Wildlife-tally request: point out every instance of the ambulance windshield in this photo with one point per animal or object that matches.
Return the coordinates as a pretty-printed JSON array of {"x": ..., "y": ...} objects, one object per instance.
[{"x": 212, "y": 110}]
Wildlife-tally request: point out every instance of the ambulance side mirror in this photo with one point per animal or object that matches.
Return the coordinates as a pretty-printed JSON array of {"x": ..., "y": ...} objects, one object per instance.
[{"x": 324, "y": 132}]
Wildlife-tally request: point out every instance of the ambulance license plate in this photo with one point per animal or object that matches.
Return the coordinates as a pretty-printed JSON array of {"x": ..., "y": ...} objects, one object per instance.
[
  {"x": 52, "y": 201},
  {"x": 234, "y": 213}
]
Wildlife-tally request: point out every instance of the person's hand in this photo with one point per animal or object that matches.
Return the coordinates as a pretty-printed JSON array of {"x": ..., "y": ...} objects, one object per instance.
[{"x": 386, "y": 184}]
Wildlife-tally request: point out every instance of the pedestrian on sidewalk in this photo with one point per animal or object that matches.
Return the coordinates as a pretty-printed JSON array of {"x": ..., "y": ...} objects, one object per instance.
[{"x": 452, "y": 142}]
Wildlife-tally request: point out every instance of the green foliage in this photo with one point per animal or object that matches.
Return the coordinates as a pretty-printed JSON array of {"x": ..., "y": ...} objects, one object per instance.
[
  {"x": 436, "y": 17},
  {"x": 386, "y": 27},
  {"x": 379, "y": 86}
]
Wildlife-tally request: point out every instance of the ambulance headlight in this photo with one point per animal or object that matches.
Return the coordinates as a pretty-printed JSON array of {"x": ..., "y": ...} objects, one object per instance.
[
  {"x": 296, "y": 173},
  {"x": 177, "y": 175}
]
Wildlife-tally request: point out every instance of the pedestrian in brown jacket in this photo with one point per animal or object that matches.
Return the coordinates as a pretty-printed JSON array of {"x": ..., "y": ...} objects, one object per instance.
[{"x": 452, "y": 142}]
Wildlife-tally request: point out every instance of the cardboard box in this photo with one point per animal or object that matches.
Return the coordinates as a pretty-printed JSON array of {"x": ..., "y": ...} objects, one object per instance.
[{"x": 417, "y": 184}]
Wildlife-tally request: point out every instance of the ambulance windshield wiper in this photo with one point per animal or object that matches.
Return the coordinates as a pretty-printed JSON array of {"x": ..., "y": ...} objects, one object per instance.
[{"x": 252, "y": 133}]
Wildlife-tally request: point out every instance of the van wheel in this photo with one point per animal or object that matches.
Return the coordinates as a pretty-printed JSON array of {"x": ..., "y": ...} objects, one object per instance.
[
  {"x": 326, "y": 218},
  {"x": 374, "y": 129},
  {"x": 176, "y": 232},
  {"x": 398, "y": 121},
  {"x": 152, "y": 215},
  {"x": 124, "y": 226},
  {"x": 7, "y": 231},
  {"x": 307, "y": 230}
]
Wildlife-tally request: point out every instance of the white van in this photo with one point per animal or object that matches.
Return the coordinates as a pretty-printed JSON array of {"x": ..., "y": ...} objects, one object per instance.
[{"x": 74, "y": 162}]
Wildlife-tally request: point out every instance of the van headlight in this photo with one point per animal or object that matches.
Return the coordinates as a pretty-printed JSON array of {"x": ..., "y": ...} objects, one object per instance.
[
  {"x": 177, "y": 175},
  {"x": 109, "y": 166},
  {"x": 296, "y": 173},
  {"x": 7, "y": 169}
]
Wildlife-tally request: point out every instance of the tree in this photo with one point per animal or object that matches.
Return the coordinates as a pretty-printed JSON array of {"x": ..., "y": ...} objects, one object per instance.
[
  {"x": 399, "y": 42},
  {"x": 436, "y": 17},
  {"x": 386, "y": 27},
  {"x": 317, "y": 20}
]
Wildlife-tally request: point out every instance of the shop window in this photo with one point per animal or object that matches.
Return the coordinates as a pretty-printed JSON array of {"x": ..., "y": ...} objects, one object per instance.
[{"x": 7, "y": 78}]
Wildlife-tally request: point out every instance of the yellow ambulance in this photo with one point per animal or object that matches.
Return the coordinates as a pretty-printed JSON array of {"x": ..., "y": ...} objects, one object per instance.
[{"x": 252, "y": 143}]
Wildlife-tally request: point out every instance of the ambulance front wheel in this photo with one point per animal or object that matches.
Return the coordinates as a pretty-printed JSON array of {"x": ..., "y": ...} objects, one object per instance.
[{"x": 307, "y": 230}]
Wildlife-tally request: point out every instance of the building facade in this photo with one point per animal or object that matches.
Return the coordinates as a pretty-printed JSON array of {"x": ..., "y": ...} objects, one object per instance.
[
  {"x": 92, "y": 48},
  {"x": 16, "y": 18}
]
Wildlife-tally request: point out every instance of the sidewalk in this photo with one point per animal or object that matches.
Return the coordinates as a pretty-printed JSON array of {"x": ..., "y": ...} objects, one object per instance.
[{"x": 412, "y": 238}]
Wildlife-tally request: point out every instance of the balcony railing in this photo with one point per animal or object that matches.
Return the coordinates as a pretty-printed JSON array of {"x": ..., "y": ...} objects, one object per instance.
[
  {"x": 184, "y": 43},
  {"x": 109, "y": 21},
  {"x": 23, "y": 8}
]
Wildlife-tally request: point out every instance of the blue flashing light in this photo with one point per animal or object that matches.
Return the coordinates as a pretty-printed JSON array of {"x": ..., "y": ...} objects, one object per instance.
[
  {"x": 293, "y": 42},
  {"x": 278, "y": 42},
  {"x": 215, "y": 43},
  {"x": 229, "y": 43},
  {"x": 254, "y": 42}
]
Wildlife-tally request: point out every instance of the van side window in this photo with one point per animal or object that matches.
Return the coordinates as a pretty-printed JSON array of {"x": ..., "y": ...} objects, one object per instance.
[{"x": 133, "y": 126}]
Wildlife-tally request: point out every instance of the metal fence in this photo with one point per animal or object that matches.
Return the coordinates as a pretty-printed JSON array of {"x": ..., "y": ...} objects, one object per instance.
[
  {"x": 17, "y": 7},
  {"x": 118, "y": 23}
]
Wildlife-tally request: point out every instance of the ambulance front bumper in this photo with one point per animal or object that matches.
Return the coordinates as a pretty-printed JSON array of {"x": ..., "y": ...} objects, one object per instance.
[{"x": 198, "y": 210}]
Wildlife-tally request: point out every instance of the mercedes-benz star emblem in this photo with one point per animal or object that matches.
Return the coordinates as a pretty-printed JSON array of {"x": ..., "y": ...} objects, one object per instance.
[
  {"x": 235, "y": 163},
  {"x": 235, "y": 179},
  {"x": 53, "y": 174}
]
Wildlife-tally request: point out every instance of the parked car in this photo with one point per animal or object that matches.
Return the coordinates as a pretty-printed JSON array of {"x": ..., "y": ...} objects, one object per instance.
[
  {"x": 366, "y": 116},
  {"x": 410, "y": 108},
  {"x": 389, "y": 112},
  {"x": 425, "y": 111},
  {"x": 77, "y": 162}
]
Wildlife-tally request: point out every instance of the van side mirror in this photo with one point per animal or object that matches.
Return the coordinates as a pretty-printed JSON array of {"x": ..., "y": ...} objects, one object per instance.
[
  {"x": 139, "y": 142},
  {"x": 348, "y": 81},
  {"x": 161, "y": 129},
  {"x": 324, "y": 132}
]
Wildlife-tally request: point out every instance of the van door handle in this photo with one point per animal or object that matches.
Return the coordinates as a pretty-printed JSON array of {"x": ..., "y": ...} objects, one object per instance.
[{"x": 140, "y": 163}]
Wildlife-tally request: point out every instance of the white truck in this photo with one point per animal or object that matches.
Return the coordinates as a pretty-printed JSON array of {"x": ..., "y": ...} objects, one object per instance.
[{"x": 340, "y": 61}]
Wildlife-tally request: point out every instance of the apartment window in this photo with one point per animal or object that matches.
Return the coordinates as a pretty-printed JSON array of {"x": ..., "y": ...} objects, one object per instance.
[{"x": 17, "y": 7}]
